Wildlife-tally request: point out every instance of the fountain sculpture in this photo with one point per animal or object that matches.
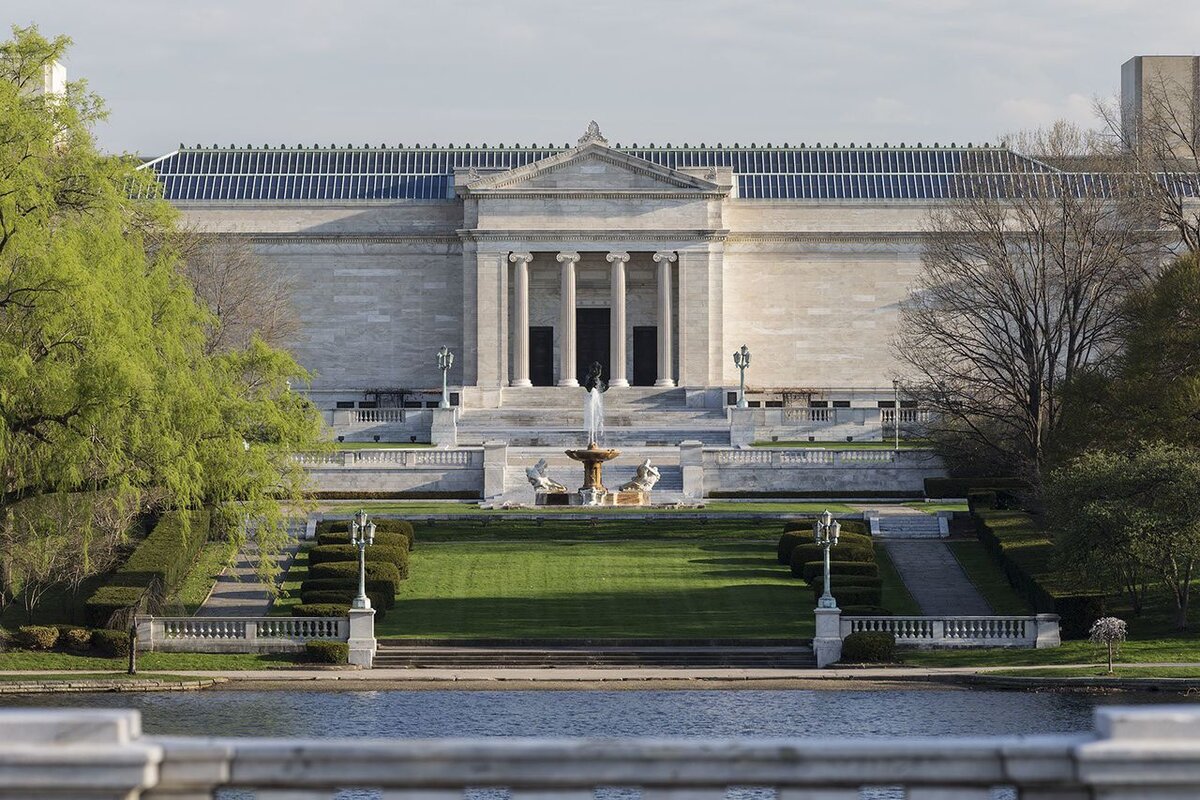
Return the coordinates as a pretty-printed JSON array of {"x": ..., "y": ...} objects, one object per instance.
[{"x": 593, "y": 492}]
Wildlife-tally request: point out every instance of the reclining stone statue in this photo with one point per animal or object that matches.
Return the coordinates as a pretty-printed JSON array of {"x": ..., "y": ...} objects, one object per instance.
[
  {"x": 645, "y": 479},
  {"x": 540, "y": 481}
]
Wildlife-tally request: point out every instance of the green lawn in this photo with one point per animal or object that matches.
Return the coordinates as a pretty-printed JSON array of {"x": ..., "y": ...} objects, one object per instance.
[
  {"x": 895, "y": 597},
  {"x": 1102, "y": 672},
  {"x": 30, "y": 661},
  {"x": 934, "y": 506},
  {"x": 1167, "y": 650},
  {"x": 988, "y": 579},
  {"x": 93, "y": 676}
]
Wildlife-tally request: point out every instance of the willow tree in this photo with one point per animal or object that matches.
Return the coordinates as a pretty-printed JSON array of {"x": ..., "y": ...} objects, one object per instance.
[
  {"x": 1022, "y": 283},
  {"x": 106, "y": 380}
]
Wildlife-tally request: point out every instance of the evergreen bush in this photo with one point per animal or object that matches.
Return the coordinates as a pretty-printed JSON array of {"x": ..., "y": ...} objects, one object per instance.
[
  {"x": 110, "y": 643},
  {"x": 376, "y": 571},
  {"x": 325, "y": 553},
  {"x": 77, "y": 640},
  {"x": 838, "y": 581},
  {"x": 320, "y": 609},
  {"x": 388, "y": 526},
  {"x": 788, "y": 542},
  {"x": 854, "y": 595},
  {"x": 382, "y": 539},
  {"x": 326, "y": 652},
  {"x": 36, "y": 637},
  {"x": 874, "y": 647},
  {"x": 374, "y": 586},
  {"x": 806, "y": 553},
  {"x": 816, "y": 569},
  {"x": 379, "y": 601}
]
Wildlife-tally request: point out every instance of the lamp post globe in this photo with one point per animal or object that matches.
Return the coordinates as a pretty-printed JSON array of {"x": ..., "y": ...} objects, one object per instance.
[
  {"x": 741, "y": 360},
  {"x": 362, "y": 533},
  {"x": 445, "y": 360},
  {"x": 825, "y": 533}
]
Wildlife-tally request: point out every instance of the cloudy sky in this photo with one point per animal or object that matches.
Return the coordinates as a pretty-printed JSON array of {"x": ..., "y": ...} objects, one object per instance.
[{"x": 426, "y": 71}]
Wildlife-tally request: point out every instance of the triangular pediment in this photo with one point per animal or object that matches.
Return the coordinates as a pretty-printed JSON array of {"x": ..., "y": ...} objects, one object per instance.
[{"x": 591, "y": 167}]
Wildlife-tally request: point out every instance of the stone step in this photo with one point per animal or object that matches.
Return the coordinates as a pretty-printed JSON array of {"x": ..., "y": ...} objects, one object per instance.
[
  {"x": 572, "y": 397},
  {"x": 613, "y": 437},
  {"x": 573, "y": 418},
  {"x": 449, "y": 657}
]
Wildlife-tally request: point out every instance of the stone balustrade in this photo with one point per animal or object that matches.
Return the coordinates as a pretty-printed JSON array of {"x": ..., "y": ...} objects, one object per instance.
[
  {"x": 1038, "y": 631},
  {"x": 237, "y": 634},
  {"x": 1142, "y": 752},
  {"x": 800, "y": 470}
]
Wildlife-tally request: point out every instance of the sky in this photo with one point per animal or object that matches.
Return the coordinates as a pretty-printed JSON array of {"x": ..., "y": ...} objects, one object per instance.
[{"x": 649, "y": 71}]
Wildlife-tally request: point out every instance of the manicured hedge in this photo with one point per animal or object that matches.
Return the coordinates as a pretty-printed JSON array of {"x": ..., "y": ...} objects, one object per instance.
[
  {"x": 962, "y": 487},
  {"x": 1027, "y": 556},
  {"x": 325, "y": 652},
  {"x": 379, "y": 601},
  {"x": 869, "y": 647},
  {"x": 858, "y": 526},
  {"x": 381, "y": 539},
  {"x": 334, "y": 584},
  {"x": 854, "y": 595},
  {"x": 376, "y": 571},
  {"x": 36, "y": 637},
  {"x": 389, "y": 526},
  {"x": 76, "y": 640},
  {"x": 805, "y": 553},
  {"x": 158, "y": 565},
  {"x": 838, "y": 581},
  {"x": 788, "y": 542},
  {"x": 325, "y": 553},
  {"x": 112, "y": 644},
  {"x": 320, "y": 609},
  {"x": 815, "y": 569}
]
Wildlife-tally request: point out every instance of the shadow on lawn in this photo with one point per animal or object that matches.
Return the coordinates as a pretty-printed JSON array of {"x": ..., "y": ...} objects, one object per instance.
[{"x": 752, "y": 610}]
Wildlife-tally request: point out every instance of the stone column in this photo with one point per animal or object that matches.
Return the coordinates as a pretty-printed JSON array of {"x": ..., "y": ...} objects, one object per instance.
[
  {"x": 664, "y": 259},
  {"x": 520, "y": 371},
  {"x": 616, "y": 371},
  {"x": 566, "y": 324},
  {"x": 362, "y": 640},
  {"x": 827, "y": 644}
]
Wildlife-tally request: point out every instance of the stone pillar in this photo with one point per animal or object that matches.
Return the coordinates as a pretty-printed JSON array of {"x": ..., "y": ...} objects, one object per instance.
[
  {"x": 691, "y": 464},
  {"x": 566, "y": 321},
  {"x": 1048, "y": 634},
  {"x": 145, "y": 633},
  {"x": 520, "y": 370},
  {"x": 362, "y": 637},
  {"x": 495, "y": 465},
  {"x": 616, "y": 372},
  {"x": 443, "y": 432},
  {"x": 827, "y": 643},
  {"x": 741, "y": 427},
  {"x": 664, "y": 258}
]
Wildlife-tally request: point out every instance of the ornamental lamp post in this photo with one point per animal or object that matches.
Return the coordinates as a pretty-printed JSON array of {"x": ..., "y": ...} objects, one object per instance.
[
  {"x": 445, "y": 360},
  {"x": 896, "y": 410},
  {"x": 825, "y": 532},
  {"x": 362, "y": 533},
  {"x": 741, "y": 360}
]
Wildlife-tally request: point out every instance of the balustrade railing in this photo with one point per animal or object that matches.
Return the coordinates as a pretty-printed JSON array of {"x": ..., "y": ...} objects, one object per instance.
[
  {"x": 236, "y": 634},
  {"x": 800, "y": 456},
  {"x": 1136, "y": 752},
  {"x": 960, "y": 631},
  {"x": 376, "y": 415}
]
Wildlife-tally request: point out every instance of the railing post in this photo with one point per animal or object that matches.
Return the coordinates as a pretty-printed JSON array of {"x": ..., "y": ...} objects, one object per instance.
[
  {"x": 937, "y": 629},
  {"x": 443, "y": 430},
  {"x": 741, "y": 427},
  {"x": 495, "y": 465},
  {"x": 827, "y": 644},
  {"x": 1142, "y": 753},
  {"x": 362, "y": 637},
  {"x": 1048, "y": 634},
  {"x": 691, "y": 464},
  {"x": 145, "y": 633}
]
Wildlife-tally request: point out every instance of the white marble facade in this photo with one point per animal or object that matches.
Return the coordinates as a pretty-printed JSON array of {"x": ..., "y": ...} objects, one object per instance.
[{"x": 811, "y": 286}]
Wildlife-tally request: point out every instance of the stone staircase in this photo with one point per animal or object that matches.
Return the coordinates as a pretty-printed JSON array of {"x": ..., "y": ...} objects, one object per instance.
[
  {"x": 449, "y": 654},
  {"x": 894, "y": 524},
  {"x": 553, "y": 417}
]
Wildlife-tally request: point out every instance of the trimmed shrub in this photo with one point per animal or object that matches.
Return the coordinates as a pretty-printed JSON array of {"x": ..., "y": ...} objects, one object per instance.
[
  {"x": 838, "y": 581},
  {"x": 858, "y": 527},
  {"x": 325, "y": 652},
  {"x": 76, "y": 640},
  {"x": 381, "y": 539},
  {"x": 380, "y": 602},
  {"x": 1027, "y": 556},
  {"x": 336, "y": 584},
  {"x": 324, "y": 553},
  {"x": 36, "y": 637},
  {"x": 376, "y": 571},
  {"x": 874, "y": 647},
  {"x": 389, "y": 526},
  {"x": 805, "y": 553},
  {"x": 854, "y": 595},
  {"x": 788, "y": 542},
  {"x": 816, "y": 569},
  {"x": 320, "y": 609},
  {"x": 157, "y": 566},
  {"x": 110, "y": 643},
  {"x": 866, "y": 611}
]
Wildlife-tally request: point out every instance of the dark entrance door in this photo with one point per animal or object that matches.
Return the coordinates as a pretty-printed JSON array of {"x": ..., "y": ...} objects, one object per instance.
[
  {"x": 591, "y": 341},
  {"x": 645, "y": 355},
  {"x": 541, "y": 355}
]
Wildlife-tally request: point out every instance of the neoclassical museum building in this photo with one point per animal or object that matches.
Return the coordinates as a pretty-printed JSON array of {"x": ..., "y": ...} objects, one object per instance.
[{"x": 531, "y": 263}]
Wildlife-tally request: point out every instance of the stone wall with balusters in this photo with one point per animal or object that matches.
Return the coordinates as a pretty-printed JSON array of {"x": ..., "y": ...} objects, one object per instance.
[{"x": 237, "y": 634}]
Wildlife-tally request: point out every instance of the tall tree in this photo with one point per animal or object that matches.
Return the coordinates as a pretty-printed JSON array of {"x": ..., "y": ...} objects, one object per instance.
[
  {"x": 107, "y": 380},
  {"x": 1021, "y": 286}
]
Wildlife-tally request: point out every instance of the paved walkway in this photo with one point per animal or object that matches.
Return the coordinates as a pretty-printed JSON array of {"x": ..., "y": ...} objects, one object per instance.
[
  {"x": 934, "y": 578},
  {"x": 238, "y": 591}
]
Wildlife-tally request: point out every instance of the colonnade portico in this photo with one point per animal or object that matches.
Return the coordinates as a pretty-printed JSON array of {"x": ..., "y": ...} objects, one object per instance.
[{"x": 568, "y": 261}]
